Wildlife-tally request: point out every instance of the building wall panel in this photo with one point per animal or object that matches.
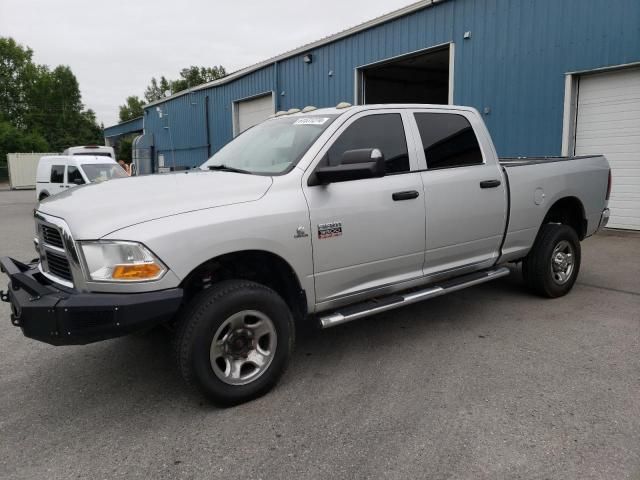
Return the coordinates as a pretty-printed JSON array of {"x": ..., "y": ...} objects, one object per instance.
[{"x": 513, "y": 65}]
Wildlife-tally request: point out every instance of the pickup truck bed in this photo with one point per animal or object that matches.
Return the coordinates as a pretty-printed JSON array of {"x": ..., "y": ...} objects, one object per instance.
[{"x": 537, "y": 183}]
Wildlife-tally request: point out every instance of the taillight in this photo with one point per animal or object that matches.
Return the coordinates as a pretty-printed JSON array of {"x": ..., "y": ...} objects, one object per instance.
[{"x": 608, "y": 186}]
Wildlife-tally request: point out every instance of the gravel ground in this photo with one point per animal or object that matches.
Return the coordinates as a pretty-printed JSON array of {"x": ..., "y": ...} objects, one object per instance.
[{"x": 490, "y": 382}]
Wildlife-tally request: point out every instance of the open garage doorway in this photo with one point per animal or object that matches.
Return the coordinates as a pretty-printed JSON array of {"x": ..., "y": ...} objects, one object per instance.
[{"x": 419, "y": 77}]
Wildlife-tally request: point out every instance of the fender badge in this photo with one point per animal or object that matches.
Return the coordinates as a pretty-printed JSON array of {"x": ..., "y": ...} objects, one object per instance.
[
  {"x": 300, "y": 233},
  {"x": 329, "y": 230}
]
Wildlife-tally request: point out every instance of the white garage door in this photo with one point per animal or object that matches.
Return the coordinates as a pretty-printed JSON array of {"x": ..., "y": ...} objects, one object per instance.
[
  {"x": 608, "y": 122},
  {"x": 253, "y": 111}
]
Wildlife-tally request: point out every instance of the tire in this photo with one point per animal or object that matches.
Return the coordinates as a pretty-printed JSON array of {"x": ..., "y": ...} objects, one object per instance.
[
  {"x": 43, "y": 196},
  {"x": 251, "y": 324},
  {"x": 547, "y": 273}
]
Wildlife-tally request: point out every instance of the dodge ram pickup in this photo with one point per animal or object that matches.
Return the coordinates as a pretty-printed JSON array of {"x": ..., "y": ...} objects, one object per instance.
[{"x": 325, "y": 215}]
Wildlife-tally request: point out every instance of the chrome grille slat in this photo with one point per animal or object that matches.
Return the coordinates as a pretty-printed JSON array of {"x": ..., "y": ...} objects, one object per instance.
[
  {"x": 51, "y": 236},
  {"x": 53, "y": 254}
]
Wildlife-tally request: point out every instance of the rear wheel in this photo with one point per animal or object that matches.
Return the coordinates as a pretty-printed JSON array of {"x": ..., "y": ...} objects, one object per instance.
[
  {"x": 43, "y": 196},
  {"x": 551, "y": 267},
  {"x": 234, "y": 341}
]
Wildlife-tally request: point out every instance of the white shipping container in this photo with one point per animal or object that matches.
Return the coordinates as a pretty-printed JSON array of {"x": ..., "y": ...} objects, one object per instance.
[{"x": 22, "y": 169}]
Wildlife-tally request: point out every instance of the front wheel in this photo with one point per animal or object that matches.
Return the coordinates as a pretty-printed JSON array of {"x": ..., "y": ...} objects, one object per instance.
[
  {"x": 551, "y": 267},
  {"x": 234, "y": 341}
]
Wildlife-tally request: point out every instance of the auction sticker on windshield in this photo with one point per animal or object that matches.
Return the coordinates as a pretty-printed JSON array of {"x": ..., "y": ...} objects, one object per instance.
[{"x": 311, "y": 121}]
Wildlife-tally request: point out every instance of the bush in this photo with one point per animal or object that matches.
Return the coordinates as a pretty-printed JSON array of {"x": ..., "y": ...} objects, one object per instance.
[{"x": 13, "y": 139}]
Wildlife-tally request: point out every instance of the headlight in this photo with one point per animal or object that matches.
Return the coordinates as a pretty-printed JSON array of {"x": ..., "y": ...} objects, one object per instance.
[{"x": 120, "y": 262}]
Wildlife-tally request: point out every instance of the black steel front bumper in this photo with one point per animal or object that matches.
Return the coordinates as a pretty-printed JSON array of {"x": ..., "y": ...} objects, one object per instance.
[{"x": 66, "y": 317}]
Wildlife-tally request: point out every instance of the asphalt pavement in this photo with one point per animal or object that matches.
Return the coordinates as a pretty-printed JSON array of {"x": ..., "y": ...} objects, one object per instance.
[{"x": 486, "y": 383}]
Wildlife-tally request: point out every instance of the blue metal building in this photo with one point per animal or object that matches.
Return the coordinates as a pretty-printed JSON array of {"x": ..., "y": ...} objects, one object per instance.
[{"x": 519, "y": 62}]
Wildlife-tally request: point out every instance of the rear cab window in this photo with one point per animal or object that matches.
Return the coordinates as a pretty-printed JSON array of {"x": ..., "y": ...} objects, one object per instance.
[
  {"x": 448, "y": 140},
  {"x": 57, "y": 174}
]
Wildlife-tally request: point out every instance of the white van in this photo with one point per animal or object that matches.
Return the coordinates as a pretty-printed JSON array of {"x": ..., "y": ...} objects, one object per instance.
[
  {"x": 91, "y": 150},
  {"x": 57, "y": 173}
]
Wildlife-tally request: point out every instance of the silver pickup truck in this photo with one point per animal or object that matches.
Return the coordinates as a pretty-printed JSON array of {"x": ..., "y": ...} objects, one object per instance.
[{"x": 324, "y": 215}]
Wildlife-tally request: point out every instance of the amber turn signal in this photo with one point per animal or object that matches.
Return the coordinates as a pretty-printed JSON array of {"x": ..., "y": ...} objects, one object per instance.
[{"x": 139, "y": 271}]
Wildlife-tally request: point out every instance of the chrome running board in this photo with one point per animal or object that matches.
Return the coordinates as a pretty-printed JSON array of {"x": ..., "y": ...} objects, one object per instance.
[{"x": 390, "y": 302}]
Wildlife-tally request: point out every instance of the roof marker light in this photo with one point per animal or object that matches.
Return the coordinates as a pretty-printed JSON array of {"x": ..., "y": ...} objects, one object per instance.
[
  {"x": 293, "y": 110},
  {"x": 309, "y": 108},
  {"x": 279, "y": 113},
  {"x": 343, "y": 105}
]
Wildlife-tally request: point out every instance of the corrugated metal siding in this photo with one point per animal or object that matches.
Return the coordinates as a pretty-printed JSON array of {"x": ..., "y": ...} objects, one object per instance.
[
  {"x": 123, "y": 128},
  {"x": 514, "y": 65},
  {"x": 180, "y": 134}
]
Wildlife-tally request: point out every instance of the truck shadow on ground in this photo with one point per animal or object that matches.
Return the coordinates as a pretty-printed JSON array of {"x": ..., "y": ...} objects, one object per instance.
[{"x": 134, "y": 372}]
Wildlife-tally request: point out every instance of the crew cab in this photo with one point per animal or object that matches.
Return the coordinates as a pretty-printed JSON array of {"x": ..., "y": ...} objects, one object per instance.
[{"x": 324, "y": 216}]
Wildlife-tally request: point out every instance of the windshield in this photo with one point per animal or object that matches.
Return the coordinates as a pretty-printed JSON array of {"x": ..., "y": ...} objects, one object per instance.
[
  {"x": 99, "y": 172},
  {"x": 272, "y": 147}
]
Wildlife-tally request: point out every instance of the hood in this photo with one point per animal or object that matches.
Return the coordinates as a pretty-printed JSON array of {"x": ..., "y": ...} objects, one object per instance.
[{"x": 94, "y": 210}]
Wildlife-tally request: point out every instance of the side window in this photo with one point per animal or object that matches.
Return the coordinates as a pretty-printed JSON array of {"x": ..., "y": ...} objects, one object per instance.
[
  {"x": 448, "y": 140},
  {"x": 57, "y": 174},
  {"x": 384, "y": 132},
  {"x": 73, "y": 174}
]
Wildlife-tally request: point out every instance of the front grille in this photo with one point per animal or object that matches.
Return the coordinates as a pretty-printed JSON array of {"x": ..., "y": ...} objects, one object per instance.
[
  {"x": 53, "y": 252},
  {"x": 59, "y": 265},
  {"x": 51, "y": 236}
]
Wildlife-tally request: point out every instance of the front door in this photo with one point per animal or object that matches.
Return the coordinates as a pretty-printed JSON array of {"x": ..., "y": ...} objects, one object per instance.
[{"x": 363, "y": 239}]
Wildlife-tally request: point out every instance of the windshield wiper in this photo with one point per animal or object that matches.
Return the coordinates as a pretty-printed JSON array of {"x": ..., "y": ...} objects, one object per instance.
[{"x": 225, "y": 168}]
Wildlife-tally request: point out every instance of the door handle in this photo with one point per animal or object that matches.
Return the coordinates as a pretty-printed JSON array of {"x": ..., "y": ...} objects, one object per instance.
[
  {"x": 490, "y": 183},
  {"x": 408, "y": 195}
]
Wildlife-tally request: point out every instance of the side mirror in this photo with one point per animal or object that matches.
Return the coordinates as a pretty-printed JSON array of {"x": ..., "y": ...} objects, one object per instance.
[
  {"x": 78, "y": 181},
  {"x": 354, "y": 165}
]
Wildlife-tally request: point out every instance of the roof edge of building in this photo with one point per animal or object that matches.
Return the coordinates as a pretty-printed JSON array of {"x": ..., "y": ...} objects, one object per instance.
[
  {"x": 131, "y": 120},
  {"x": 401, "y": 12}
]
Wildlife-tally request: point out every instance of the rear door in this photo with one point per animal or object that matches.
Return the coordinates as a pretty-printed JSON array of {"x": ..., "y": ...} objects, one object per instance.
[
  {"x": 362, "y": 238},
  {"x": 465, "y": 195}
]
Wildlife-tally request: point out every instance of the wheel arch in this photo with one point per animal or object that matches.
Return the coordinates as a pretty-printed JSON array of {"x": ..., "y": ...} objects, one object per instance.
[
  {"x": 568, "y": 211},
  {"x": 260, "y": 266}
]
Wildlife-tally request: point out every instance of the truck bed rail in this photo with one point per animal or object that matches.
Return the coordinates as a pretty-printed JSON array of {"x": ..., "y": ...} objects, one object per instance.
[{"x": 519, "y": 161}]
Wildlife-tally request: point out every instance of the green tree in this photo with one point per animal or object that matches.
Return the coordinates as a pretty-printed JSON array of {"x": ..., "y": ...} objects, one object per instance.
[
  {"x": 189, "y": 77},
  {"x": 132, "y": 108},
  {"x": 17, "y": 72},
  {"x": 194, "y": 76},
  {"x": 156, "y": 89},
  {"x": 55, "y": 110},
  {"x": 40, "y": 109},
  {"x": 124, "y": 148},
  {"x": 14, "y": 139}
]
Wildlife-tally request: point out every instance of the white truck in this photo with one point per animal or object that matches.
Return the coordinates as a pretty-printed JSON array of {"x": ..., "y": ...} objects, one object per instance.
[
  {"x": 326, "y": 216},
  {"x": 57, "y": 173}
]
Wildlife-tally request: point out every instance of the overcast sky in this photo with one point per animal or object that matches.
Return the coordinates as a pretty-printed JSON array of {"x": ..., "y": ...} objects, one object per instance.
[{"x": 115, "y": 47}]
